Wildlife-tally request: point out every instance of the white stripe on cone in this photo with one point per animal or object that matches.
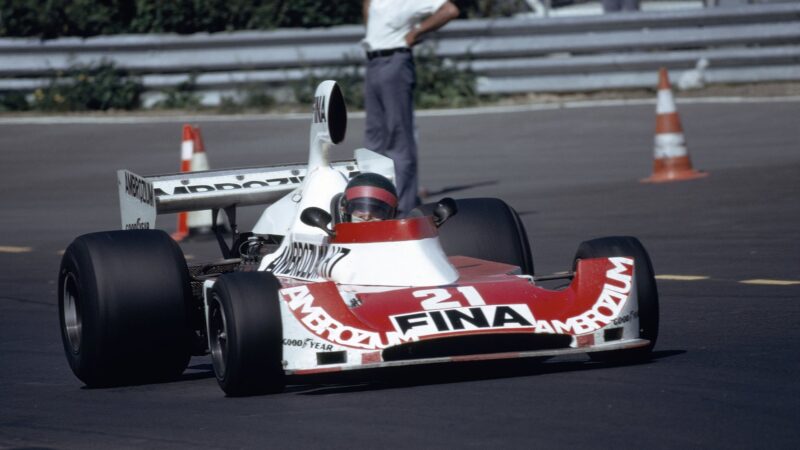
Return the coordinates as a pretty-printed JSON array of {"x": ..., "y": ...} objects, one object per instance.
[
  {"x": 187, "y": 150},
  {"x": 666, "y": 103},
  {"x": 669, "y": 145}
]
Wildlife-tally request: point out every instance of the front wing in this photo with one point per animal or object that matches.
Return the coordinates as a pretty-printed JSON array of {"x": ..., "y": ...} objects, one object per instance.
[{"x": 323, "y": 336}]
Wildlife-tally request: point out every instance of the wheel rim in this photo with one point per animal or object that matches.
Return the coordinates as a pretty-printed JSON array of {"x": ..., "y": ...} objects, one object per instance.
[
  {"x": 73, "y": 322},
  {"x": 218, "y": 332}
]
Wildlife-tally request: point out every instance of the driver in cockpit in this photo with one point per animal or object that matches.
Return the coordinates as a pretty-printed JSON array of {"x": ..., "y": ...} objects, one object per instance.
[{"x": 368, "y": 197}]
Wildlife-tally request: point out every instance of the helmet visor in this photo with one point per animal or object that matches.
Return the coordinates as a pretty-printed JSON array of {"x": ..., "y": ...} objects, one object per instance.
[{"x": 366, "y": 209}]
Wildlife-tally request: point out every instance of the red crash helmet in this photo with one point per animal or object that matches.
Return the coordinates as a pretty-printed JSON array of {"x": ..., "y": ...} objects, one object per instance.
[{"x": 369, "y": 197}]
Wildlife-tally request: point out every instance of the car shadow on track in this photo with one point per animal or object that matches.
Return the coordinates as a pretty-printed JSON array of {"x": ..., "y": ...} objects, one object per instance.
[
  {"x": 427, "y": 193},
  {"x": 410, "y": 376},
  {"x": 393, "y": 378}
]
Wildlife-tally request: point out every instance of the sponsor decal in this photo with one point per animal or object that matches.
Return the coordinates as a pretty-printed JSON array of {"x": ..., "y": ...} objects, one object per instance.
[
  {"x": 139, "y": 189},
  {"x": 318, "y": 321},
  {"x": 138, "y": 225},
  {"x": 626, "y": 318},
  {"x": 307, "y": 261},
  {"x": 197, "y": 188},
  {"x": 319, "y": 109},
  {"x": 441, "y": 298},
  {"x": 229, "y": 186},
  {"x": 488, "y": 317},
  {"x": 605, "y": 309},
  {"x": 308, "y": 343}
]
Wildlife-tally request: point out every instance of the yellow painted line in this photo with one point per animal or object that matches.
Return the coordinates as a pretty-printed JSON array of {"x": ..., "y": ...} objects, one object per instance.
[
  {"x": 188, "y": 257},
  {"x": 771, "y": 282},
  {"x": 681, "y": 277},
  {"x": 12, "y": 249}
]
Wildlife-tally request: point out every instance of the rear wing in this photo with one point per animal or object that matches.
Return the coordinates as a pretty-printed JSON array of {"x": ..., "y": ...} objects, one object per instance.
[{"x": 143, "y": 198}]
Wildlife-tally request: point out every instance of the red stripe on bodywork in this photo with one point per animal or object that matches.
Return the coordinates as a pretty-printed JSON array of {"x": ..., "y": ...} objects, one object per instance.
[
  {"x": 385, "y": 231},
  {"x": 371, "y": 192}
]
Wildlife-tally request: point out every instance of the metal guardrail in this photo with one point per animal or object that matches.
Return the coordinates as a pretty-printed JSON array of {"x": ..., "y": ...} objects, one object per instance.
[{"x": 744, "y": 44}]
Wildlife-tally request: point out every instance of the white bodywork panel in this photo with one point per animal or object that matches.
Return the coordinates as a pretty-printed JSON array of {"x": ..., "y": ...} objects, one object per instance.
[{"x": 402, "y": 263}]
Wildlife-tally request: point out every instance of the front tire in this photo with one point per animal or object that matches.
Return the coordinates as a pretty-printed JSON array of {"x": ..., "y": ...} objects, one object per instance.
[
  {"x": 646, "y": 291},
  {"x": 124, "y": 300},
  {"x": 245, "y": 333}
]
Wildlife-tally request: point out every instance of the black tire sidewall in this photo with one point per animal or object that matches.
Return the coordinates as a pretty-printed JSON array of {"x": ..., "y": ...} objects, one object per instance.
[
  {"x": 134, "y": 301},
  {"x": 254, "y": 357},
  {"x": 76, "y": 263},
  {"x": 485, "y": 228}
]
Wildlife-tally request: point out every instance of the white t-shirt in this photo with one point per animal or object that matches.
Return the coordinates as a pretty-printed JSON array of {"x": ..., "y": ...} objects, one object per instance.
[{"x": 389, "y": 21}]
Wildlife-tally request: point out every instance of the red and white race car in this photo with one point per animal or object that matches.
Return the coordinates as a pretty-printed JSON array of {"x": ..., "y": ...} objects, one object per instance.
[{"x": 303, "y": 293}]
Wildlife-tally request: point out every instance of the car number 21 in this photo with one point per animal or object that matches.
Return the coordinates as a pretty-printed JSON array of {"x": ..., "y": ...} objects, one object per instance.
[{"x": 443, "y": 299}]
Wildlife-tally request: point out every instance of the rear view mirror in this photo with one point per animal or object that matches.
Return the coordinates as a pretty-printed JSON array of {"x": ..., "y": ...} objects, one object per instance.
[
  {"x": 317, "y": 218},
  {"x": 445, "y": 209}
]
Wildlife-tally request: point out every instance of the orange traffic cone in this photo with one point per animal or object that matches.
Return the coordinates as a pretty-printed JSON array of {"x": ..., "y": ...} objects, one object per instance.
[
  {"x": 199, "y": 158},
  {"x": 200, "y": 221},
  {"x": 671, "y": 158},
  {"x": 187, "y": 150}
]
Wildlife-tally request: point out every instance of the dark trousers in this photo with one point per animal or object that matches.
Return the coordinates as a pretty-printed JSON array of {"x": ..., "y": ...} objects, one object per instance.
[{"x": 389, "y": 103}]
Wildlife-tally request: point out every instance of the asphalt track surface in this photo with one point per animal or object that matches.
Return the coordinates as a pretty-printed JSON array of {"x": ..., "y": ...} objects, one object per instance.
[{"x": 725, "y": 370}]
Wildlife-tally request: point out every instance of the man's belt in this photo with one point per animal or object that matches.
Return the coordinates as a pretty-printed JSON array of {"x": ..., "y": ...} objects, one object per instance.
[{"x": 387, "y": 52}]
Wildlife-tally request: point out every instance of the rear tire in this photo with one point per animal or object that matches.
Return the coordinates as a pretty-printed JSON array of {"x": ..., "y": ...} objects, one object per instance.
[
  {"x": 485, "y": 228},
  {"x": 124, "y": 303},
  {"x": 646, "y": 291},
  {"x": 246, "y": 334}
]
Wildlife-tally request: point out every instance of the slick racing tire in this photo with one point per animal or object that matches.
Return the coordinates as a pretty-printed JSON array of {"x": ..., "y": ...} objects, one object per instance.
[
  {"x": 485, "y": 228},
  {"x": 646, "y": 291},
  {"x": 245, "y": 333},
  {"x": 124, "y": 303}
]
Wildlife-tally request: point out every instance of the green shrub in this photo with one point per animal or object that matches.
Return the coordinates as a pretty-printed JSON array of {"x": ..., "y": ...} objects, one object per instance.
[
  {"x": 440, "y": 84},
  {"x": 89, "y": 88},
  {"x": 182, "y": 96},
  {"x": 348, "y": 77},
  {"x": 56, "y": 18},
  {"x": 257, "y": 97},
  {"x": 490, "y": 8},
  {"x": 248, "y": 98},
  {"x": 13, "y": 101}
]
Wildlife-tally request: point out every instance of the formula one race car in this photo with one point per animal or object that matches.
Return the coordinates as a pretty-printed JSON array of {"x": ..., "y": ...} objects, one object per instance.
[{"x": 308, "y": 292}]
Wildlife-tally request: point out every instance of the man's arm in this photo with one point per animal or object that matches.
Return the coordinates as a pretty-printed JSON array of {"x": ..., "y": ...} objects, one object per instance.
[
  {"x": 365, "y": 11},
  {"x": 444, "y": 14}
]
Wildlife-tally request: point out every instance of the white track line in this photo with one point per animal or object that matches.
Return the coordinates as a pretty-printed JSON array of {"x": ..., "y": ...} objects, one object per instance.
[
  {"x": 13, "y": 249},
  {"x": 681, "y": 277},
  {"x": 199, "y": 118},
  {"x": 771, "y": 282}
]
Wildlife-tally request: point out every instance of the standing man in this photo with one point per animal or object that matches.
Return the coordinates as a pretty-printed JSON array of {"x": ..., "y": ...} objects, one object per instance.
[{"x": 393, "y": 28}]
